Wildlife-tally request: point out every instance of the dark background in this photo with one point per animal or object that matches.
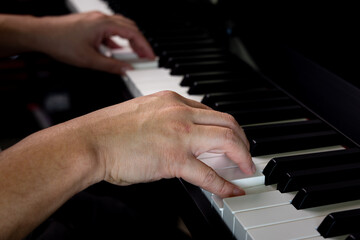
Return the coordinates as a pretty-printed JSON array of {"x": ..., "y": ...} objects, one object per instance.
[
  {"x": 309, "y": 49},
  {"x": 103, "y": 211}
]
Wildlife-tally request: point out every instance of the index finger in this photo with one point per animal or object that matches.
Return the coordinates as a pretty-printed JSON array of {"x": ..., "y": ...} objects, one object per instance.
[{"x": 136, "y": 39}]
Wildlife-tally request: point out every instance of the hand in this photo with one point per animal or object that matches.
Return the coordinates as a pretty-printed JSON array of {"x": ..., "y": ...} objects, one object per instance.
[
  {"x": 75, "y": 39},
  {"x": 160, "y": 136}
]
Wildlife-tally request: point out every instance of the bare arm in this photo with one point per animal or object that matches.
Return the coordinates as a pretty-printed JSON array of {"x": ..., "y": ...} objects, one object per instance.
[
  {"x": 74, "y": 38},
  {"x": 39, "y": 174},
  {"x": 145, "y": 139}
]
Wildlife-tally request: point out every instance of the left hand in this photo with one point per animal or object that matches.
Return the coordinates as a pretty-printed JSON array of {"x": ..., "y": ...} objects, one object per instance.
[{"x": 75, "y": 39}]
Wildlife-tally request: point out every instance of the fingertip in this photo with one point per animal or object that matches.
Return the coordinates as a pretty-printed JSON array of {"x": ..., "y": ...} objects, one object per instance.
[
  {"x": 126, "y": 68},
  {"x": 146, "y": 53},
  {"x": 238, "y": 191},
  {"x": 253, "y": 168},
  {"x": 233, "y": 191}
]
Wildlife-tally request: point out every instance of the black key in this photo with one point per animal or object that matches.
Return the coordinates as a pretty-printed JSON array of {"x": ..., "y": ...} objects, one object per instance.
[
  {"x": 320, "y": 195},
  {"x": 254, "y": 103},
  {"x": 242, "y": 71},
  {"x": 211, "y": 99},
  {"x": 185, "y": 45},
  {"x": 223, "y": 85},
  {"x": 173, "y": 32},
  {"x": 185, "y": 68},
  {"x": 164, "y": 39},
  {"x": 354, "y": 236},
  {"x": 190, "y": 78},
  {"x": 293, "y": 142},
  {"x": 297, "y": 179},
  {"x": 277, "y": 167},
  {"x": 165, "y": 55},
  {"x": 340, "y": 223},
  {"x": 265, "y": 115},
  {"x": 197, "y": 58},
  {"x": 281, "y": 129}
]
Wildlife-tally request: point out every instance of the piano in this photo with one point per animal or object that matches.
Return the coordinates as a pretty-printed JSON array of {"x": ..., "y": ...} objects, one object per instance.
[{"x": 299, "y": 112}]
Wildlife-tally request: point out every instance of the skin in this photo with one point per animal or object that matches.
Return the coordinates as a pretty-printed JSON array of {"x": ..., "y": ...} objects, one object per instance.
[
  {"x": 74, "y": 38},
  {"x": 145, "y": 139}
]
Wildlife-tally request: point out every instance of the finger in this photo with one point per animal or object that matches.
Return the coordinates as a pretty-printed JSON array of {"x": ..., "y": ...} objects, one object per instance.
[
  {"x": 195, "y": 104},
  {"x": 107, "y": 64},
  {"x": 222, "y": 140},
  {"x": 205, "y": 117},
  {"x": 124, "y": 19},
  {"x": 110, "y": 43},
  {"x": 190, "y": 102},
  {"x": 198, "y": 173},
  {"x": 125, "y": 24},
  {"x": 141, "y": 47},
  {"x": 136, "y": 39}
]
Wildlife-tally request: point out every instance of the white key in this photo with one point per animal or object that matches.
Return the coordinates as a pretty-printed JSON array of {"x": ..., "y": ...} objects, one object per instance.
[
  {"x": 301, "y": 229},
  {"x": 228, "y": 169},
  {"x": 147, "y": 76},
  {"x": 259, "y": 189},
  {"x": 343, "y": 237},
  {"x": 125, "y": 53},
  {"x": 251, "y": 202},
  {"x": 239, "y": 178},
  {"x": 89, "y": 5},
  {"x": 244, "y": 221},
  {"x": 260, "y": 161},
  {"x": 218, "y": 161},
  {"x": 149, "y": 81},
  {"x": 218, "y": 204}
]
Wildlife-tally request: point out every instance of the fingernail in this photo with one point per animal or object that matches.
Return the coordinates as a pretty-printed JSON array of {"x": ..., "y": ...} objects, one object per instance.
[{"x": 238, "y": 192}]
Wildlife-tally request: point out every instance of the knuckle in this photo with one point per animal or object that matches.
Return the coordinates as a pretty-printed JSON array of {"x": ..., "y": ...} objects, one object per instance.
[
  {"x": 229, "y": 135},
  {"x": 168, "y": 94},
  {"x": 210, "y": 178},
  {"x": 96, "y": 14},
  {"x": 229, "y": 118},
  {"x": 223, "y": 188},
  {"x": 181, "y": 127}
]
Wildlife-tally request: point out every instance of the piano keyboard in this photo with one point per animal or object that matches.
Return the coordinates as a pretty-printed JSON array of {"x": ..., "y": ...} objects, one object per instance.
[{"x": 289, "y": 144}]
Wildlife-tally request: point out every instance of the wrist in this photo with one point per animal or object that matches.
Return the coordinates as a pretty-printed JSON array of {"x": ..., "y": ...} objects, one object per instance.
[
  {"x": 33, "y": 35},
  {"x": 70, "y": 157},
  {"x": 84, "y": 150},
  {"x": 83, "y": 153}
]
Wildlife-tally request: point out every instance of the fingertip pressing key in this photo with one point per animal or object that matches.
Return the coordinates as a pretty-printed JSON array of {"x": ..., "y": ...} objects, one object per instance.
[
  {"x": 238, "y": 191},
  {"x": 253, "y": 168}
]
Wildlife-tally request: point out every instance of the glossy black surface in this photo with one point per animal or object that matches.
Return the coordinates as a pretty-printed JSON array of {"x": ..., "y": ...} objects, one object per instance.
[{"x": 340, "y": 223}]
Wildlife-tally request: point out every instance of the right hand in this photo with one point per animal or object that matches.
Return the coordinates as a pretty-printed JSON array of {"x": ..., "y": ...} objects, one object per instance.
[{"x": 160, "y": 136}]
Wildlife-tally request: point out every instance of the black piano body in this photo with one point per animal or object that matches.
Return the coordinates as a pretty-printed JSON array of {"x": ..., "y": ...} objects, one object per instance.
[{"x": 307, "y": 50}]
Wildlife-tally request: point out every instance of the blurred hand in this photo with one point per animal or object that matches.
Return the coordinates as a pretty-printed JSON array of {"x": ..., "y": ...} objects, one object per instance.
[
  {"x": 76, "y": 38},
  {"x": 160, "y": 136}
]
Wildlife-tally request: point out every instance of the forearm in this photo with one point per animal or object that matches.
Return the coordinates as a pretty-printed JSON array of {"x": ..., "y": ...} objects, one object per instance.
[
  {"x": 39, "y": 174},
  {"x": 19, "y": 34}
]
